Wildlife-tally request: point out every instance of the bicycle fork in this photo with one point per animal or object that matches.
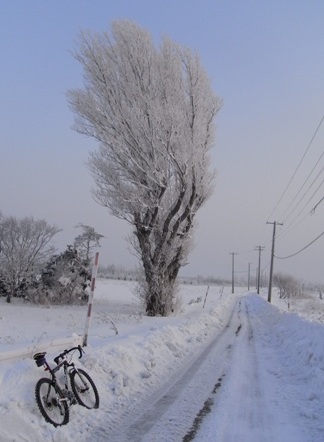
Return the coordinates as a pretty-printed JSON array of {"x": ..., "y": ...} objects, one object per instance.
[{"x": 85, "y": 384}]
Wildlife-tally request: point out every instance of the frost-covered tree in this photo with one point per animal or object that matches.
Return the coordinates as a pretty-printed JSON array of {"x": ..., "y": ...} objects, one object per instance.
[
  {"x": 24, "y": 248},
  {"x": 152, "y": 110},
  {"x": 87, "y": 241},
  {"x": 288, "y": 286},
  {"x": 64, "y": 279},
  {"x": 66, "y": 276}
]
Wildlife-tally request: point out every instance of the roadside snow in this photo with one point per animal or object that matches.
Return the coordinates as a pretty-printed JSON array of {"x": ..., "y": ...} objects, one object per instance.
[{"x": 272, "y": 385}]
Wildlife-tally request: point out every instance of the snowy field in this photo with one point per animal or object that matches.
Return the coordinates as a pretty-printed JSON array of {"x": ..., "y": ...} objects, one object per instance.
[{"x": 237, "y": 369}]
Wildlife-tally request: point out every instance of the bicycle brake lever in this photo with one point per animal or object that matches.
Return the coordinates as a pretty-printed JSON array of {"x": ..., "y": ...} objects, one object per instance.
[{"x": 80, "y": 351}]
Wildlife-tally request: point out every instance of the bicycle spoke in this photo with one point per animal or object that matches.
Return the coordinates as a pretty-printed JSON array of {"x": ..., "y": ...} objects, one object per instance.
[
  {"x": 84, "y": 389},
  {"x": 50, "y": 403}
]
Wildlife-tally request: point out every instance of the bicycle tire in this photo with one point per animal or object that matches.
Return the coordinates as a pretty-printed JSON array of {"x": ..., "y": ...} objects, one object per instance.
[
  {"x": 47, "y": 396},
  {"x": 84, "y": 389}
]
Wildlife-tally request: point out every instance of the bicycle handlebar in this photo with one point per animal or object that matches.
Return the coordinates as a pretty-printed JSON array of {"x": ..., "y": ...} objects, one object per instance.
[{"x": 61, "y": 355}]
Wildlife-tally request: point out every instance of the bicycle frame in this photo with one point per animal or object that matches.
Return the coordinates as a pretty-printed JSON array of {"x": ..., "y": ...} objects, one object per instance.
[
  {"x": 69, "y": 367},
  {"x": 54, "y": 396}
]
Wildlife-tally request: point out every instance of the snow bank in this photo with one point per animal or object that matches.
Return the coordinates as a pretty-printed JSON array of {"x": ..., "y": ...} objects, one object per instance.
[
  {"x": 144, "y": 353},
  {"x": 298, "y": 338},
  {"x": 293, "y": 358},
  {"x": 124, "y": 366}
]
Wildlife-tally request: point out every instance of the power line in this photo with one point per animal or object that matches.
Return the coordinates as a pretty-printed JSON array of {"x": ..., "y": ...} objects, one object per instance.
[
  {"x": 301, "y": 250},
  {"x": 307, "y": 190},
  {"x": 297, "y": 168},
  {"x": 316, "y": 205},
  {"x": 293, "y": 223}
]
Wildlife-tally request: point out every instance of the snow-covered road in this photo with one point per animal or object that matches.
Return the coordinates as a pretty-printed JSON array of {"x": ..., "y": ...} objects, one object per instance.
[
  {"x": 238, "y": 370},
  {"x": 240, "y": 387},
  {"x": 266, "y": 396},
  {"x": 172, "y": 412}
]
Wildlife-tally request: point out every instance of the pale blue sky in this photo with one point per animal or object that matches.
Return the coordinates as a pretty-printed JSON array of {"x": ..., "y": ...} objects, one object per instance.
[{"x": 266, "y": 60}]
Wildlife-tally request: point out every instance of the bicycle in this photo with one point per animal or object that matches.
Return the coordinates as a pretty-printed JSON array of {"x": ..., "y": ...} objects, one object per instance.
[{"x": 55, "y": 397}]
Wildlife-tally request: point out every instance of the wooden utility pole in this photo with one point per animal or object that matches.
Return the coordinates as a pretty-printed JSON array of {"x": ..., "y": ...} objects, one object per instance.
[
  {"x": 275, "y": 223},
  {"x": 233, "y": 254},
  {"x": 259, "y": 248},
  {"x": 249, "y": 269}
]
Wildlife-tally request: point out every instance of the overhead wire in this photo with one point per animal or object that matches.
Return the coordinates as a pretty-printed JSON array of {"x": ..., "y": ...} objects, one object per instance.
[
  {"x": 299, "y": 198},
  {"x": 298, "y": 166},
  {"x": 301, "y": 250},
  {"x": 316, "y": 205},
  {"x": 307, "y": 190},
  {"x": 291, "y": 226},
  {"x": 295, "y": 221}
]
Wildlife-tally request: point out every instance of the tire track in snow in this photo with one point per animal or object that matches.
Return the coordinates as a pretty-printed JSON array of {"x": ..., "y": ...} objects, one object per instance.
[
  {"x": 202, "y": 413},
  {"x": 244, "y": 410},
  {"x": 169, "y": 413},
  {"x": 243, "y": 405}
]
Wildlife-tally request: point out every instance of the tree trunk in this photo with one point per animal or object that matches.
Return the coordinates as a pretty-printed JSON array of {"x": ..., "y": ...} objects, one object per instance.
[{"x": 160, "y": 295}]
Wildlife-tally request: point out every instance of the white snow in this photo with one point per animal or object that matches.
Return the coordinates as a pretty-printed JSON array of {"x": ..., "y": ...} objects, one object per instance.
[{"x": 258, "y": 368}]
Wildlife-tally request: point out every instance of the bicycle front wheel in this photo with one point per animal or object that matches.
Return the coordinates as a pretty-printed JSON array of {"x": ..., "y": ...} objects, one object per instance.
[
  {"x": 50, "y": 403},
  {"x": 84, "y": 389}
]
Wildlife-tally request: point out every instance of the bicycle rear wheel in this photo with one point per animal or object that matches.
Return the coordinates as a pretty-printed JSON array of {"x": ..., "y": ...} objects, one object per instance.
[
  {"x": 50, "y": 404},
  {"x": 84, "y": 389}
]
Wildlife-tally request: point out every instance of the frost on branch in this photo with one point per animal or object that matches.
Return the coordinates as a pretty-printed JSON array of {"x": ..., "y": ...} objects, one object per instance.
[
  {"x": 151, "y": 109},
  {"x": 24, "y": 249}
]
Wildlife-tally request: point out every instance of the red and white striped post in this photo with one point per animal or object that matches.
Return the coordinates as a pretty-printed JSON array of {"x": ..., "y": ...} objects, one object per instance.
[{"x": 90, "y": 300}]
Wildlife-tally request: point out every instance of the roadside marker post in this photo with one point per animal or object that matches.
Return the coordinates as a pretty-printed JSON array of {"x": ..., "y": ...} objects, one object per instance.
[{"x": 90, "y": 300}]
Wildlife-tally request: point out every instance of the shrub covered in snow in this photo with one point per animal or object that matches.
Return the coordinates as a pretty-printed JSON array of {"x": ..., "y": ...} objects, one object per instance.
[{"x": 64, "y": 280}]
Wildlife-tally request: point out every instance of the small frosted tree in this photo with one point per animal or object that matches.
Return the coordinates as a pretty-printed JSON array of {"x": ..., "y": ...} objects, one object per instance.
[
  {"x": 288, "y": 286},
  {"x": 87, "y": 241},
  {"x": 64, "y": 279},
  {"x": 24, "y": 249},
  {"x": 151, "y": 109}
]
